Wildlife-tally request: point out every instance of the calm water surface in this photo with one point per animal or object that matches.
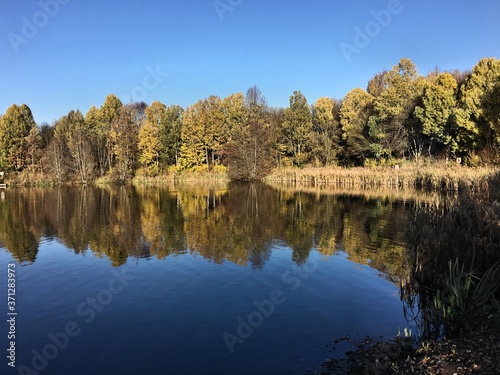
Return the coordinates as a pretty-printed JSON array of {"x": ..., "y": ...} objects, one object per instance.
[{"x": 239, "y": 279}]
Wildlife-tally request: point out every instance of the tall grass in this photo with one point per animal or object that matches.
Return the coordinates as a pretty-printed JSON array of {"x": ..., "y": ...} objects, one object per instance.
[
  {"x": 454, "y": 260},
  {"x": 202, "y": 175},
  {"x": 436, "y": 176}
]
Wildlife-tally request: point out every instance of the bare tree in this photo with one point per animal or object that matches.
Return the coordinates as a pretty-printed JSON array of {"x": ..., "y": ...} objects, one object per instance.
[
  {"x": 250, "y": 149},
  {"x": 56, "y": 159}
]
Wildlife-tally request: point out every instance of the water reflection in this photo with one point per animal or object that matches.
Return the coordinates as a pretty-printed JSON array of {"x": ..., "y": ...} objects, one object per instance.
[{"x": 236, "y": 223}]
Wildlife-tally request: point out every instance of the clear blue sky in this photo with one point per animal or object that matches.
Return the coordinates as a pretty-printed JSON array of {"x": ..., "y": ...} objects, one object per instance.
[{"x": 85, "y": 50}]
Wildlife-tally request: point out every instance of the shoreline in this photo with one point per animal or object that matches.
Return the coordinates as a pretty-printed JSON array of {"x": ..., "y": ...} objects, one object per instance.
[
  {"x": 445, "y": 178},
  {"x": 474, "y": 352}
]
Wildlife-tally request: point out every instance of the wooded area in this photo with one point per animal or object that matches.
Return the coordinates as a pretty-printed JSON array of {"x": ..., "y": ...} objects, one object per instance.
[{"x": 400, "y": 114}]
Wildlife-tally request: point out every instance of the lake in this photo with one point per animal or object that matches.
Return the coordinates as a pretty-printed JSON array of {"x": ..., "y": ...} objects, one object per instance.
[{"x": 197, "y": 279}]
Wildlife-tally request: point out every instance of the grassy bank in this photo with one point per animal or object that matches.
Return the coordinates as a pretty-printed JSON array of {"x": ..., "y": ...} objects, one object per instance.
[
  {"x": 438, "y": 176},
  {"x": 183, "y": 177},
  {"x": 41, "y": 180},
  {"x": 428, "y": 176}
]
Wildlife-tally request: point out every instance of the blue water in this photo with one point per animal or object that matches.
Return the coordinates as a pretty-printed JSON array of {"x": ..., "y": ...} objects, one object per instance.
[
  {"x": 169, "y": 316},
  {"x": 97, "y": 295}
]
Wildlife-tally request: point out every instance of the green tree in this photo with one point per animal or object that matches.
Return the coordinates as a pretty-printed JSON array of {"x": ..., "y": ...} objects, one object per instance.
[
  {"x": 391, "y": 126},
  {"x": 475, "y": 115},
  {"x": 15, "y": 128},
  {"x": 297, "y": 126},
  {"x": 491, "y": 105},
  {"x": 356, "y": 109},
  {"x": 170, "y": 136},
  {"x": 436, "y": 111}
]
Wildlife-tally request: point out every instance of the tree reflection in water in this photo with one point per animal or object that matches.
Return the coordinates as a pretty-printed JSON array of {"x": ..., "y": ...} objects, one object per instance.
[{"x": 236, "y": 223}]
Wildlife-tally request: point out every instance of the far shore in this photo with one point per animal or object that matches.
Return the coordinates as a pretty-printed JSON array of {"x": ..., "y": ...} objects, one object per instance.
[{"x": 439, "y": 177}]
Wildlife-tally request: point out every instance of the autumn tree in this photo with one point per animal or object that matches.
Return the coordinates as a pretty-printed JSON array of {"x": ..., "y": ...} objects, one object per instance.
[
  {"x": 149, "y": 146},
  {"x": 73, "y": 129},
  {"x": 378, "y": 83},
  {"x": 279, "y": 147},
  {"x": 123, "y": 141},
  {"x": 34, "y": 148},
  {"x": 15, "y": 128},
  {"x": 326, "y": 130},
  {"x": 56, "y": 157},
  {"x": 297, "y": 126},
  {"x": 192, "y": 152},
  {"x": 203, "y": 133},
  {"x": 216, "y": 132},
  {"x": 100, "y": 122},
  {"x": 249, "y": 149},
  {"x": 234, "y": 109},
  {"x": 46, "y": 133},
  {"x": 160, "y": 137}
]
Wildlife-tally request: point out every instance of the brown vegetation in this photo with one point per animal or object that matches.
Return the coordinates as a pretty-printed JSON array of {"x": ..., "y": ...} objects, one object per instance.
[{"x": 432, "y": 176}]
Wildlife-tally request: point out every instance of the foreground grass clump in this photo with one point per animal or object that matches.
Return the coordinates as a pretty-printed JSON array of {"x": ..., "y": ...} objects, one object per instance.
[
  {"x": 454, "y": 262},
  {"x": 432, "y": 176}
]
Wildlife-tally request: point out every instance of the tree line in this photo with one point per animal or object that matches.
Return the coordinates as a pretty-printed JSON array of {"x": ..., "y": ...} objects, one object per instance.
[{"x": 400, "y": 114}]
